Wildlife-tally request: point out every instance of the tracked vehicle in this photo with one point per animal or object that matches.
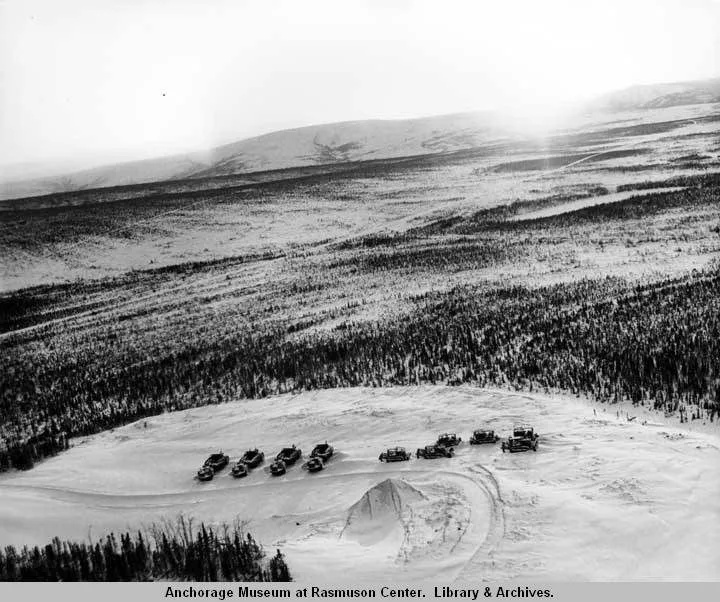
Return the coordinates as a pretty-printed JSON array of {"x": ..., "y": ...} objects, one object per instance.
[
  {"x": 239, "y": 469},
  {"x": 483, "y": 436},
  {"x": 314, "y": 464},
  {"x": 323, "y": 451},
  {"x": 524, "y": 438},
  {"x": 434, "y": 451},
  {"x": 278, "y": 468},
  {"x": 394, "y": 454},
  {"x": 252, "y": 458},
  {"x": 217, "y": 461},
  {"x": 448, "y": 440},
  {"x": 289, "y": 455},
  {"x": 205, "y": 474}
]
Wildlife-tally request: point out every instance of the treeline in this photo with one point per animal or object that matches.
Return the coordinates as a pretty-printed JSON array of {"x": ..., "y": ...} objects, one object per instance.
[
  {"x": 452, "y": 244},
  {"x": 493, "y": 221},
  {"x": 485, "y": 219},
  {"x": 656, "y": 344},
  {"x": 501, "y": 233},
  {"x": 41, "y": 304},
  {"x": 175, "y": 552},
  {"x": 71, "y": 379},
  {"x": 554, "y": 162},
  {"x": 454, "y": 256},
  {"x": 700, "y": 181}
]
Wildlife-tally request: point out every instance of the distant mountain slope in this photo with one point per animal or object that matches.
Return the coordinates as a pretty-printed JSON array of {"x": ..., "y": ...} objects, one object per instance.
[
  {"x": 346, "y": 141},
  {"x": 306, "y": 146},
  {"x": 656, "y": 96},
  {"x": 135, "y": 172},
  {"x": 352, "y": 141}
]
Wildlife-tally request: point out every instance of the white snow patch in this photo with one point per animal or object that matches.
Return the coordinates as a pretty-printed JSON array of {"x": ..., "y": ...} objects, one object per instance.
[{"x": 603, "y": 498}]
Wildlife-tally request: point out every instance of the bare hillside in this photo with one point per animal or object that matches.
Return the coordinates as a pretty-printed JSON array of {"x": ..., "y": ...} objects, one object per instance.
[{"x": 343, "y": 142}]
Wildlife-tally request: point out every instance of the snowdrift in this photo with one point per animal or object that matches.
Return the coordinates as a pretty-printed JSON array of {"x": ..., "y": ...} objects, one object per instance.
[{"x": 381, "y": 512}]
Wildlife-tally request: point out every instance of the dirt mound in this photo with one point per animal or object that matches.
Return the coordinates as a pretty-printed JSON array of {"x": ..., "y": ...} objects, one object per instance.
[{"x": 381, "y": 511}]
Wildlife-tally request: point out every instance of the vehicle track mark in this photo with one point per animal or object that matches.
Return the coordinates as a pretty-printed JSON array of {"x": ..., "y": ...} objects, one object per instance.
[
  {"x": 498, "y": 525},
  {"x": 118, "y": 501}
]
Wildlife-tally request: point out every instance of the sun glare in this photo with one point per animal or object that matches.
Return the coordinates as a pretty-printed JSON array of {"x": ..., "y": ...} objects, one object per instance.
[{"x": 110, "y": 75}]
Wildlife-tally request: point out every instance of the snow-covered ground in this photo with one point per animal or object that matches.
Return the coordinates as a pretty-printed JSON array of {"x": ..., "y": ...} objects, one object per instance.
[{"x": 603, "y": 498}]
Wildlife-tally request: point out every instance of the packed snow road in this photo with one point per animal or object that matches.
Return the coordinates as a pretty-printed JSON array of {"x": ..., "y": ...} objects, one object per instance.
[{"x": 603, "y": 498}]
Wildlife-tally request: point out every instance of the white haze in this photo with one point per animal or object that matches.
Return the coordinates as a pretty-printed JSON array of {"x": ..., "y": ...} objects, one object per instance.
[{"x": 84, "y": 82}]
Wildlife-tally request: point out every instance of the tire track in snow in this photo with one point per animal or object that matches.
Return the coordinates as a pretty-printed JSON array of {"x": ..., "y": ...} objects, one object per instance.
[
  {"x": 497, "y": 529},
  {"x": 483, "y": 497}
]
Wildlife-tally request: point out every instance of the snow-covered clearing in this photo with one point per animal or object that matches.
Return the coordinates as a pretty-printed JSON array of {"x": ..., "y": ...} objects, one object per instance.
[{"x": 603, "y": 498}]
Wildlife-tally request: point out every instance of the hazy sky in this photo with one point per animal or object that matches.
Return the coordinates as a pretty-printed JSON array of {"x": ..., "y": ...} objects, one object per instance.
[{"x": 117, "y": 79}]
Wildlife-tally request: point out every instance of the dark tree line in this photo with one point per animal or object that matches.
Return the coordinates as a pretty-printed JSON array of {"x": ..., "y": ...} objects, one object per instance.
[
  {"x": 656, "y": 344},
  {"x": 705, "y": 180},
  {"x": 545, "y": 163},
  {"x": 44, "y": 303},
  {"x": 173, "y": 552}
]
